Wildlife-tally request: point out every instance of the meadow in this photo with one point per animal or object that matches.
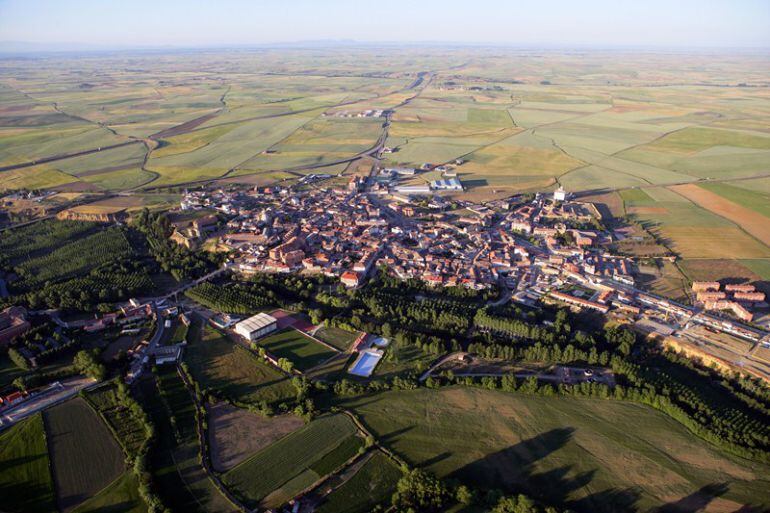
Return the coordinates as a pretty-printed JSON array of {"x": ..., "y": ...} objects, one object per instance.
[
  {"x": 285, "y": 468},
  {"x": 372, "y": 484},
  {"x": 336, "y": 337},
  {"x": 175, "y": 456},
  {"x": 220, "y": 365},
  {"x": 591, "y": 455},
  {"x": 301, "y": 350},
  {"x": 25, "y": 477}
]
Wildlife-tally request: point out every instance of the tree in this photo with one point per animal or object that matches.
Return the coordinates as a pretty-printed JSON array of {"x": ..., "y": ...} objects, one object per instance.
[
  {"x": 18, "y": 359},
  {"x": 420, "y": 491},
  {"x": 86, "y": 363}
]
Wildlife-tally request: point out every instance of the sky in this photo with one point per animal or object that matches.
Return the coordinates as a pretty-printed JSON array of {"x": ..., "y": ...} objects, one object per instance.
[{"x": 549, "y": 23}]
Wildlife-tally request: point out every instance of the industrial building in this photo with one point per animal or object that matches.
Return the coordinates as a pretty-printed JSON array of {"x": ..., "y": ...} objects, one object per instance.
[{"x": 256, "y": 326}]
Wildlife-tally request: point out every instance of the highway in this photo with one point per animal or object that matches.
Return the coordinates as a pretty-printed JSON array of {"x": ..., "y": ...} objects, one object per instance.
[{"x": 68, "y": 389}]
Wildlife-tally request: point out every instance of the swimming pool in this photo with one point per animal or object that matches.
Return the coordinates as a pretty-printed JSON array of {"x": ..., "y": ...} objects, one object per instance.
[{"x": 365, "y": 363}]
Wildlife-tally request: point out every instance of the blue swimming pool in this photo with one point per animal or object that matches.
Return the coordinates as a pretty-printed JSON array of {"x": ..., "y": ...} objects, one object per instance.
[{"x": 365, "y": 363}]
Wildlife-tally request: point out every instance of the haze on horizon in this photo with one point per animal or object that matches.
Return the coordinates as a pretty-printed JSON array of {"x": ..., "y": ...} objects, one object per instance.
[{"x": 95, "y": 24}]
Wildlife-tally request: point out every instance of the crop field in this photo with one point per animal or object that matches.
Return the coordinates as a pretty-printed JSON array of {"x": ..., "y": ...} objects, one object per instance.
[
  {"x": 70, "y": 260},
  {"x": 235, "y": 434},
  {"x": 592, "y": 455},
  {"x": 227, "y": 368},
  {"x": 752, "y": 222},
  {"x": 25, "y": 476},
  {"x": 301, "y": 350},
  {"x": 85, "y": 457},
  {"x": 286, "y": 467},
  {"x": 373, "y": 484}
]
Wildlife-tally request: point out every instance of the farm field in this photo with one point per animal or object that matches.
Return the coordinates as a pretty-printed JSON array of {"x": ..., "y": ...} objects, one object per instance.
[
  {"x": 221, "y": 365},
  {"x": 752, "y": 222},
  {"x": 301, "y": 350},
  {"x": 591, "y": 455},
  {"x": 129, "y": 431},
  {"x": 372, "y": 484},
  {"x": 85, "y": 457},
  {"x": 286, "y": 467},
  {"x": 235, "y": 434},
  {"x": 25, "y": 477}
]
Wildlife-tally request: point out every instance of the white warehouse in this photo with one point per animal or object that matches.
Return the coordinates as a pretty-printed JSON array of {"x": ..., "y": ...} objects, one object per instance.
[{"x": 256, "y": 326}]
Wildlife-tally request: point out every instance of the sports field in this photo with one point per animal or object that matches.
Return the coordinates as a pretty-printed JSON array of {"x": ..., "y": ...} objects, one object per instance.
[
  {"x": 25, "y": 477},
  {"x": 220, "y": 365},
  {"x": 301, "y": 350},
  {"x": 337, "y": 337},
  {"x": 85, "y": 457},
  {"x": 592, "y": 455},
  {"x": 295, "y": 462}
]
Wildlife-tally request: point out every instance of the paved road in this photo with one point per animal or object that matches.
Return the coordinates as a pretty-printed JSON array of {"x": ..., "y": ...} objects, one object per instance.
[{"x": 69, "y": 388}]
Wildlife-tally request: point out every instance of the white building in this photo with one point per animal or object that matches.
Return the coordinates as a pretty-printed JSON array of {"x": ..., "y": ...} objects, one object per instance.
[
  {"x": 256, "y": 326},
  {"x": 560, "y": 194},
  {"x": 448, "y": 184}
]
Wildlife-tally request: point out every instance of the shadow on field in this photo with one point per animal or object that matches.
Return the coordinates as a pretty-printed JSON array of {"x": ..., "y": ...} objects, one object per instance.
[
  {"x": 513, "y": 470},
  {"x": 699, "y": 500}
]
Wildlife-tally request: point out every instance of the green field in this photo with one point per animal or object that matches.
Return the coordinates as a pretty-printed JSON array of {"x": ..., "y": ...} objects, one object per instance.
[
  {"x": 85, "y": 457},
  {"x": 591, "y": 455},
  {"x": 175, "y": 457},
  {"x": 285, "y": 468},
  {"x": 757, "y": 201},
  {"x": 372, "y": 484},
  {"x": 25, "y": 477},
  {"x": 301, "y": 350},
  {"x": 336, "y": 337},
  {"x": 220, "y": 365},
  {"x": 122, "y": 496}
]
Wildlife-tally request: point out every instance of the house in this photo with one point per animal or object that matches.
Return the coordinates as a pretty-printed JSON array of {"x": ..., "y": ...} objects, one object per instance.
[
  {"x": 351, "y": 279},
  {"x": 560, "y": 194},
  {"x": 256, "y": 326},
  {"x": 13, "y": 322}
]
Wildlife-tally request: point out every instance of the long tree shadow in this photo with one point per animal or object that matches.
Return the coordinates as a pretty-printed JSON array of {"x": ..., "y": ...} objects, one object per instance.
[
  {"x": 696, "y": 501},
  {"x": 513, "y": 470}
]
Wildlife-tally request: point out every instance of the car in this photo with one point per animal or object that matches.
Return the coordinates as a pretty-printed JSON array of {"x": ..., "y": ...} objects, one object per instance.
[{"x": 588, "y": 372}]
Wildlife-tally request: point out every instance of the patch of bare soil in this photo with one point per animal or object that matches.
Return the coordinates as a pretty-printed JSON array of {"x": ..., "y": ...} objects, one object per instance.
[{"x": 235, "y": 434}]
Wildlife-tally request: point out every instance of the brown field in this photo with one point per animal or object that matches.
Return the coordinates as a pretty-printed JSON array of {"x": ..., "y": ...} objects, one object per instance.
[
  {"x": 754, "y": 223},
  {"x": 611, "y": 200},
  {"x": 711, "y": 242},
  {"x": 236, "y": 434},
  {"x": 722, "y": 269}
]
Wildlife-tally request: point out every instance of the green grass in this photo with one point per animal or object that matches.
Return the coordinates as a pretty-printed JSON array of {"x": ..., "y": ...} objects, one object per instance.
[
  {"x": 290, "y": 457},
  {"x": 174, "y": 459},
  {"x": 8, "y": 370},
  {"x": 25, "y": 477},
  {"x": 302, "y": 350},
  {"x": 373, "y": 484},
  {"x": 592, "y": 455},
  {"x": 761, "y": 267},
  {"x": 636, "y": 197},
  {"x": 122, "y": 496},
  {"x": 85, "y": 457},
  {"x": 336, "y": 337},
  {"x": 220, "y": 365},
  {"x": 180, "y": 333},
  {"x": 350, "y": 447}
]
